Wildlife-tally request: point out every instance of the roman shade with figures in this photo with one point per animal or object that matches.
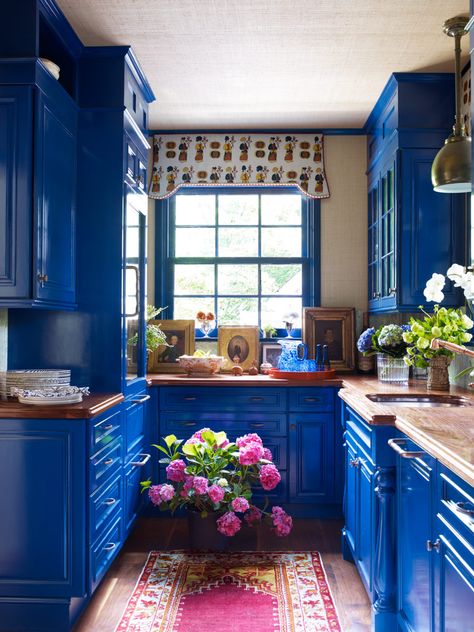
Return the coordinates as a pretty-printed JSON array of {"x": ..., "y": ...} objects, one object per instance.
[{"x": 181, "y": 160}]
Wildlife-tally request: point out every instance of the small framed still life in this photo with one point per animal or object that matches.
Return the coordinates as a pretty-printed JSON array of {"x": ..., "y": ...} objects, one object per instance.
[
  {"x": 334, "y": 327},
  {"x": 239, "y": 345},
  {"x": 271, "y": 353},
  {"x": 180, "y": 338}
]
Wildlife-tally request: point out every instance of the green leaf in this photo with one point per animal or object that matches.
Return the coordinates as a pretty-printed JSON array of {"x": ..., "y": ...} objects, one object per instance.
[
  {"x": 467, "y": 371},
  {"x": 160, "y": 448},
  {"x": 169, "y": 440},
  {"x": 220, "y": 437},
  {"x": 209, "y": 437},
  {"x": 145, "y": 485}
]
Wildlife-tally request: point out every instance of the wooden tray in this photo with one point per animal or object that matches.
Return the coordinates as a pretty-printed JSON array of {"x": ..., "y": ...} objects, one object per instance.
[{"x": 309, "y": 376}]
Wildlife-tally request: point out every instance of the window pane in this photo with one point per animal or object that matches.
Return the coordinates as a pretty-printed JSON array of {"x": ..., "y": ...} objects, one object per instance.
[
  {"x": 187, "y": 308},
  {"x": 282, "y": 279},
  {"x": 281, "y": 209},
  {"x": 195, "y": 242},
  {"x": 281, "y": 242},
  {"x": 196, "y": 209},
  {"x": 238, "y": 209},
  {"x": 237, "y": 279},
  {"x": 194, "y": 279},
  {"x": 237, "y": 311},
  {"x": 275, "y": 309},
  {"x": 238, "y": 242}
]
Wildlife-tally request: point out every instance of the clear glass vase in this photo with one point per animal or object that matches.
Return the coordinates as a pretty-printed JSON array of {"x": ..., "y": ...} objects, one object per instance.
[{"x": 392, "y": 369}]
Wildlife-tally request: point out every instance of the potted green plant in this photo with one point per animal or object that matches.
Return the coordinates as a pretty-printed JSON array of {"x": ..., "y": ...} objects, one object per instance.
[
  {"x": 269, "y": 331},
  {"x": 446, "y": 324},
  {"x": 213, "y": 479},
  {"x": 154, "y": 336}
]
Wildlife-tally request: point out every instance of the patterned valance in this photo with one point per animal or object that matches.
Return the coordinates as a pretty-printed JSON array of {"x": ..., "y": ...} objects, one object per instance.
[{"x": 238, "y": 159}]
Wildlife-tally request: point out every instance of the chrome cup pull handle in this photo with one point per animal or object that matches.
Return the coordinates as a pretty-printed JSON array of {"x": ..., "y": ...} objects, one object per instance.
[
  {"x": 143, "y": 462},
  {"x": 461, "y": 507},
  {"x": 110, "y": 501},
  {"x": 110, "y": 547}
]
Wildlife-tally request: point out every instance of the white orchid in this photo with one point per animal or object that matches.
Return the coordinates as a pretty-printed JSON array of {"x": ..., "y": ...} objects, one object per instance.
[
  {"x": 434, "y": 288},
  {"x": 457, "y": 274}
]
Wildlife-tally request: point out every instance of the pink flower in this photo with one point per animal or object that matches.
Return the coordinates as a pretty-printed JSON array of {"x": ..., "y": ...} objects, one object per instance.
[
  {"x": 229, "y": 524},
  {"x": 267, "y": 454},
  {"x": 282, "y": 522},
  {"x": 240, "y": 504},
  {"x": 175, "y": 471},
  {"x": 198, "y": 435},
  {"x": 250, "y": 453},
  {"x": 253, "y": 516},
  {"x": 248, "y": 438},
  {"x": 216, "y": 493},
  {"x": 161, "y": 493},
  {"x": 200, "y": 485},
  {"x": 269, "y": 476}
]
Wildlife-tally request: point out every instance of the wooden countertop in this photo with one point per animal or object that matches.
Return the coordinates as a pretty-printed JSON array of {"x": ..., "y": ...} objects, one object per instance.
[
  {"x": 90, "y": 407},
  {"x": 224, "y": 379},
  {"x": 445, "y": 433}
]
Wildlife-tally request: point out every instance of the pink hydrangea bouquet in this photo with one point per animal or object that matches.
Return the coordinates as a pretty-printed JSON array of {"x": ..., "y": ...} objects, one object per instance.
[{"x": 208, "y": 473}]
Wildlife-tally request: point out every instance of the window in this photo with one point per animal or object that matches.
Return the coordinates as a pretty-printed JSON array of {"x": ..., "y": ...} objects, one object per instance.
[{"x": 243, "y": 254}]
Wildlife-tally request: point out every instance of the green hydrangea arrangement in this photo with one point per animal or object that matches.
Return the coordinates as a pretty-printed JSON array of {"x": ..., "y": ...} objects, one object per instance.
[{"x": 450, "y": 325}]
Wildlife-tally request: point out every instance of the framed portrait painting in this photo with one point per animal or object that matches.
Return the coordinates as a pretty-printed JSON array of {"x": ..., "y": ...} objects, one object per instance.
[
  {"x": 271, "y": 353},
  {"x": 334, "y": 327},
  {"x": 238, "y": 345},
  {"x": 180, "y": 338}
]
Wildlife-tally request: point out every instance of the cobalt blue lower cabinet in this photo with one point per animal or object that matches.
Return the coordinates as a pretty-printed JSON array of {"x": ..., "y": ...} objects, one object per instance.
[
  {"x": 368, "y": 537},
  {"x": 416, "y": 472},
  {"x": 297, "y": 424}
]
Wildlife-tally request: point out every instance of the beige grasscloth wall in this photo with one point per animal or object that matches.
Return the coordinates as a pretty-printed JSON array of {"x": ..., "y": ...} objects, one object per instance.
[{"x": 343, "y": 226}]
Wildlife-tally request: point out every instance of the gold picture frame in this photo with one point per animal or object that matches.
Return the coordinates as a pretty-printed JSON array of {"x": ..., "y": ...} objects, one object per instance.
[
  {"x": 164, "y": 359},
  {"x": 334, "y": 326},
  {"x": 240, "y": 342}
]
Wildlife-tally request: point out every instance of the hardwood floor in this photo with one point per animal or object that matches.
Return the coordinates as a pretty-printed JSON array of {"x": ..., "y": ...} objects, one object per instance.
[{"x": 110, "y": 599}]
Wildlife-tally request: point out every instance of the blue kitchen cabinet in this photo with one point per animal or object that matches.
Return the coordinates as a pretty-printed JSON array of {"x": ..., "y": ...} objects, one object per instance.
[
  {"x": 38, "y": 132},
  {"x": 413, "y": 231},
  {"x": 368, "y": 534},
  {"x": 415, "y": 506}
]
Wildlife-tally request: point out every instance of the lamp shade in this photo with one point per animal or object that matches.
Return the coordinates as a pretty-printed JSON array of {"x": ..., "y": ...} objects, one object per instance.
[{"x": 451, "y": 169}]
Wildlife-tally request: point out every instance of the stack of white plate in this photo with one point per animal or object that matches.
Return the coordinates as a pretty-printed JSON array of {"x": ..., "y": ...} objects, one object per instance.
[
  {"x": 51, "y": 396},
  {"x": 32, "y": 379}
]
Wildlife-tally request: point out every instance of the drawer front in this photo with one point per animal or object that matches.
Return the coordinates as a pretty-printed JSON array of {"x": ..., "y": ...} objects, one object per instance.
[
  {"x": 360, "y": 430},
  {"x": 185, "y": 424},
  {"x": 105, "y": 463},
  {"x": 223, "y": 398},
  {"x": 104, "y": 432},
  {"x": 457, "y": 503},
  {"x": 134, "y": 425},
  {"x": 106, "y": 501},
  {"x": 316, "y": 400},
  {"x": 103, "y": 553}
]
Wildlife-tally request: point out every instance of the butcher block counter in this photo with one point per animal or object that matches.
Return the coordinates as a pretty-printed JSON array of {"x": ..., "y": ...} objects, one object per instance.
[
  {"x": 445, "y": 433},
  {"x": 90, "y": 406}
]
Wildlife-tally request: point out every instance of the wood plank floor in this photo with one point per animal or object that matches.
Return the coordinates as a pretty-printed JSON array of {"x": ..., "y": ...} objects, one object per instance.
[{"x": 110, "y": 599}]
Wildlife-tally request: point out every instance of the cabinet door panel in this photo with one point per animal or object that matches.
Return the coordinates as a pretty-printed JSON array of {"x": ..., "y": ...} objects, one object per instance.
[
  {"x": 55, "y": 193},
  {"x": 42, "y": 531},
  {"x": 350, "y": 496},
  {"x": 312, "y": 457},
  {"x": 365, "y": 515},
  {"x": 16, "y": 186}
]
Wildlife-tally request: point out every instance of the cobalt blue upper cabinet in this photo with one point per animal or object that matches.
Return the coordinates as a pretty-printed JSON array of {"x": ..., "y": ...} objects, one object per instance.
[
  {"x": 413, "y": 231},
  {"x": 38, "y": 129}
]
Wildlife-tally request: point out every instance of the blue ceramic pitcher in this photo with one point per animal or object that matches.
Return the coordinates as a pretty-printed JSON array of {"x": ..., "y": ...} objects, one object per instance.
[{"x": 291, "y": 356}]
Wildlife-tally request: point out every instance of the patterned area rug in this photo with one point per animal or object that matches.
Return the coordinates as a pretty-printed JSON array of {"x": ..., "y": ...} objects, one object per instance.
[{"x": 231, "y": 592}]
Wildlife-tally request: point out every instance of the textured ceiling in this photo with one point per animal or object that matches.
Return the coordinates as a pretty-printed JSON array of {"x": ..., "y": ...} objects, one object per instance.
[{"x": 270, "y": 63}]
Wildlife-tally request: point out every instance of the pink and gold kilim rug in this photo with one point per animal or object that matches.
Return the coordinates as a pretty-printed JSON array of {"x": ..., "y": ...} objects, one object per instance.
[{"x": 231, "y": 592}]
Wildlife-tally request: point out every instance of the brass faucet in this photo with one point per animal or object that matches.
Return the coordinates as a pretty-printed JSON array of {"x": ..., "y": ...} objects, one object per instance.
[{"x": 436, "y": 343}]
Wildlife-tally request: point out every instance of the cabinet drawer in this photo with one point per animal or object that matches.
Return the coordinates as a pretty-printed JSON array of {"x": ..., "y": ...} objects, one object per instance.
[
  {"x": 223, "y": 398},
  {"x": 105, "y": 463},
  {"x": 457, "y": 503},
  {"x": 105, "y": 431},
  {"x": 104, "y": 551},
  {"x": 234, "y": 424},
  {"x": 357, "y": 427},
  {"x": 106, "y": 501},
  {"x": 312, "y": 399}
]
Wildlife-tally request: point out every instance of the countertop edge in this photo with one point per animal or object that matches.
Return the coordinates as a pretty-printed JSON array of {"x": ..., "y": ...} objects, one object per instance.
[{"x": 91, "y": 406}]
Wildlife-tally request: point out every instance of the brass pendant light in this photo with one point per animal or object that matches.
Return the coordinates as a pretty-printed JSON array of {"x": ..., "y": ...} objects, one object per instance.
[{"x": 451, "y": 169}]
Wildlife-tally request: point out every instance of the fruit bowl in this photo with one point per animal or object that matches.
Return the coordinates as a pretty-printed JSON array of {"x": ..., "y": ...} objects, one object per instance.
[{"x": 201, "y": 366}]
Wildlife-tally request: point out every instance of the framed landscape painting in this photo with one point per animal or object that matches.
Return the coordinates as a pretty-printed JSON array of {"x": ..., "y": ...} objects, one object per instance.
[
  {"x": 334, "y": 327},
  {"x": 180, "y": 338}
]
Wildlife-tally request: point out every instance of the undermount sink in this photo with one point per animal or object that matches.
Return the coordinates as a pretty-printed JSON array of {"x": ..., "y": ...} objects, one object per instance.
[{"x": 419, "y": 401}]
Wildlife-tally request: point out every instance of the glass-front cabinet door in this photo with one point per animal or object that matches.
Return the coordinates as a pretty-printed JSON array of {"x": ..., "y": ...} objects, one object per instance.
[{"x": 134, "y": 284}]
